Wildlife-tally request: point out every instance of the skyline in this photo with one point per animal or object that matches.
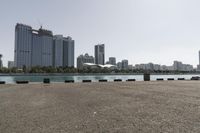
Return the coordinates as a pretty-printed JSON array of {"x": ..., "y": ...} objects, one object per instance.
[
  {"x": 130, "y": 29},
  {"x": 42, "y": 48}
]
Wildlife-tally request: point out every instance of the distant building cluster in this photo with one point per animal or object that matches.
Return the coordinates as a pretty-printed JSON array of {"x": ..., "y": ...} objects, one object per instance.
[
  {"x": 98, "y": 61},
  {"x": 42, "y": 48},
  {"x": 177, "y": 66}
]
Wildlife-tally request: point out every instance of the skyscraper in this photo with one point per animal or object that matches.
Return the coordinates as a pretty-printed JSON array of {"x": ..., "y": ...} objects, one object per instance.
[
  {"x": 199, "y": 57},
  {"x": 1, "y": 63},
  {"x": 46, "y": 37},
  {"x": 100, "y": 54},
  {"x": 40, "y": 48},
  {"x": 68, "y": 53},
  {"x": 198, "y": 66},
  {"x": 36, "y": 58},
  {"x": 23, "y": 45},
  {"x": 177, "y": 65},
  {"x": 58, "y": 51}
]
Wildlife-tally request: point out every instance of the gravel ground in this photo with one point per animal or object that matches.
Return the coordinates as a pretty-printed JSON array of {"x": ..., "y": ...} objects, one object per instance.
[{"x": 144, "y": 107}]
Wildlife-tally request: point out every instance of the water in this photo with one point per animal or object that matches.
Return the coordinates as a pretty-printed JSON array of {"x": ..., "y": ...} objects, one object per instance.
[{"x": 94, "y": 78}]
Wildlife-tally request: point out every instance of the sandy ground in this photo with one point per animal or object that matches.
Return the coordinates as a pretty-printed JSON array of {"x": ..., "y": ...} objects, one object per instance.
[{"x": 134, "y": 107}]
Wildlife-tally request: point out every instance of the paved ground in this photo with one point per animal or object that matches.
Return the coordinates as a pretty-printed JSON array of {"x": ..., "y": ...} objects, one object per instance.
[{"x": 144, "y": 107}]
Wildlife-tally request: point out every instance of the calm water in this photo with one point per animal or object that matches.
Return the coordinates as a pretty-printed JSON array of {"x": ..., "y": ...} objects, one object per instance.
[{"x": 94, "y": 78}]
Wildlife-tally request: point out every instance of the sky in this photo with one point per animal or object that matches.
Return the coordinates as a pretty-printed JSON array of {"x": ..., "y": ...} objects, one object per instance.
[{"x": 142, "y": 31}]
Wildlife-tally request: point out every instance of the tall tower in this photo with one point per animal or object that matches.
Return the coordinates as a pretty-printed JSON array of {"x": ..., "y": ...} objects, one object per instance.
[
  {"x": 1, "y": 63},
  {"x": 23, "y": 44},
  {"x": 199, "y": 57},
  {"x": 68, "y": 52},
  {"x": 99, "y": 54},
  {"x": 58, "y": 51}
]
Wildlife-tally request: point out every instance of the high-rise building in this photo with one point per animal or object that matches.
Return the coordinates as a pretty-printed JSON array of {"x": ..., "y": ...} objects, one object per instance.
[
  {"x": 68, "y": 53},
  {"x": 58, "y": 51},
  {"x": 199, "y": 57},
  {"x": 100, "y": 54},
  {"x": 36, "y": 58},
  {"x": 10, "y": 64},
  {"x": 178, "y": 65},
  {"x": 41, "y": 48},
  {"x": 1, "y": 62},
  {"x": 150, "y": 66},
  {"x": 112, "y": 60},
  {"x": 119, "y": 65},
  {"x": 23, "y": 45},
  {"x": 198, "y": 66},
  {"x": 124, "y": 64},
  {"x": 156, "y": 67},
  {"x": 84, "y": 59},
  {"x": 47, "y": 47}
]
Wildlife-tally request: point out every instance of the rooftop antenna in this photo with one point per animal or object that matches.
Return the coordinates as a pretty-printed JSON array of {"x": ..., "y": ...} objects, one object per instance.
[{"x": 40, "y": 24}]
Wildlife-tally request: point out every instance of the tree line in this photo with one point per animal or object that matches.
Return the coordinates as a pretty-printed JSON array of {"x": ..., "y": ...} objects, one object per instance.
[{"x": 50, "y": 69}]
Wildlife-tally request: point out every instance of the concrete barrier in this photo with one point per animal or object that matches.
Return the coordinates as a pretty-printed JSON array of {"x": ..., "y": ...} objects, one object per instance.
[
  {"x": 2, "y": 82},
  {"x": 170, "y": 79},
  {"x": 159, "y": 79},
  {"x": 195, "y": 78},
  {"x": 146, "y": 77},
  {"x": 181, "y": 78},
  {"x": 130, "y": 80},
  {"x": 46, "y": 80},
  {"x": 103, "y": 80},
  {"x": 69, "y": 81},
  {"x": 117, "y": 80},
  {"x": 86, "y": 81},
  {"x": 22, "y": 82}
]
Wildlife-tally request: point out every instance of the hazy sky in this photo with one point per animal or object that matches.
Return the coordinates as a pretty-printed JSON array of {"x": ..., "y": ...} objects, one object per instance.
[{"x": 141, "y": 31}]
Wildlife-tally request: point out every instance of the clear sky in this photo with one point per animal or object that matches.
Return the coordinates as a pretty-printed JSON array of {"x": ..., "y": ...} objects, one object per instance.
[{"x": 141, "y": 31}]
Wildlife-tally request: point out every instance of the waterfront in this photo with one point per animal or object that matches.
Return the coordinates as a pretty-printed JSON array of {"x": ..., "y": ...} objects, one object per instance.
[
  {"x": 126, "y": 107},
  {"x": 94, "y": 78}
]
